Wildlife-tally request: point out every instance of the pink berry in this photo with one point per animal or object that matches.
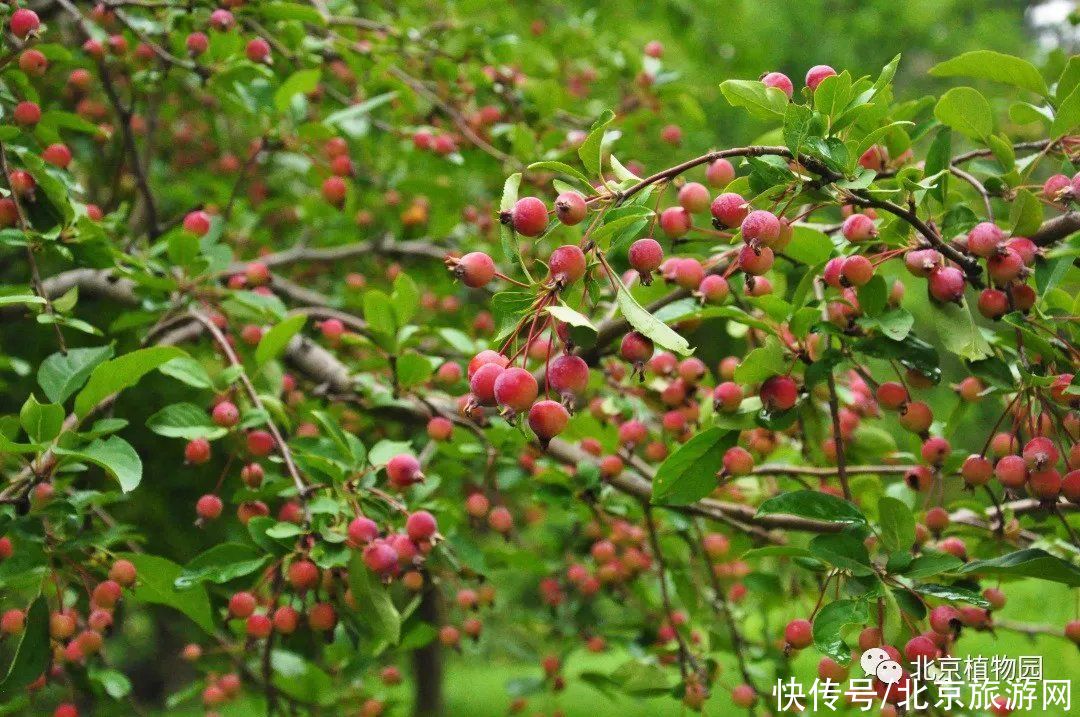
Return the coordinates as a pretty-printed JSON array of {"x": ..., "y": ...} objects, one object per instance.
[
  {"x": 799, "y": 634},
  {"x": 859, "y": 227},
  {"x": 515, "y": 389},
  {"x": 403, "y": 470},
  {"x": 226, "y": 414},
  {"x": 779, "y": 393},
  {"x": 197, "y": 451},
  {"x": 197, "y": 222},
  {"x": 258, "y": 50},
  {"x": 209, "y": 507},
  {"x": 947, "y": 284},
  {"x": 984, "y": 239},
  {"x": 567, "y": 264},
  {"x": 636, "y": 348},
  {"x": 475, "y": 269},
  {"x": 816, "y": 74},
  {"x": 780, "y": 81},
  {"x": 23, "y": 22},
  {"x": 730, "y": 209},
  {"x": 568, "y": 374},
  {"x": 645, "y": 257},
  {"x": 675, "y": 222},
  {"x": 529, "y": 217},
  {"x": 547, "y": 419},
  {"x": 760, "y": 226},
  {"x": 570, "y": 207},
  {"x": 755, "y": 260},
  {"x": 694, "y": 197},
  {"x": 720, "y": 173}
]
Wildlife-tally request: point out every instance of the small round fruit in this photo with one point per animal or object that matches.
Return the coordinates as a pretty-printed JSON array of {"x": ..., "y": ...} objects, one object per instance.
[
  {"x": 529, "y": 216},
  {"x": 570, "y": 207}
]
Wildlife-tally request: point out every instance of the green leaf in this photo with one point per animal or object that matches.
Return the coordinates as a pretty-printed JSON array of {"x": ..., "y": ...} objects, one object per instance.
[
  {"x": 797, "y": 119},
  {"x": 561, "y": 168},
  {"x": 582, "y": 332},
  {"x": 959, "y": 333},
  {"x": 13, "y": 299},
  {"x": 221, "y": 564},
  {"x": 761, "y": 363},
  {"x": 184, "y": 420},
  {"x": 760, "y": 101},
  {"x": 1026, "y": 214},
  {"x": 188, "y": 371},
  {"x": 897, "y": 524},
  {"x": 155, "y": 584},
  {"x": 952, "y": 593},
  {"x": 830, "y": 622},
  {"x": 273, "y": 342},
  {"x": 1069, "y": 79},
  {"x": 506, "y": 204},
  {"x": 41, "y": 421},
  {"x": 33, "y": 651},
  {"x": 873, "y": 296},
  {"x": 929, "y": 564},
  {"x": 69, "y": 120},
  {"x": 966, "y": 111},
  {"x": 119, "y": 373},
  {"x": 405, "y": 298},
  {"x": 1029, "y": 563},
  {"x": 810, "y": 246},
  {"x": 1067, "y": 116},
  {"x": 814, "y": 505},
  {"x": 996, "y": 66},
  {"x": 843, "y": 551},
  {"x": 302, "y": 679},
  {"x": 299, "y": 82},
  {"x": 413, "y": 369},
  {"x": 895, "y": 324},
  {"x": 833, "y": 94},
  {"x": 115, "y": 456},
  {"x": 379, "y": 314},
  {"x": 689, "y": 473},
  {"x": 61, "y": 375},
  {"x": 115, "y": 683},
  {"x": 373, "y": 602},
  {"x": 291, "y": 11},
  {"x": 649, "y": 325},
  {"x": 591, "y": 150}
]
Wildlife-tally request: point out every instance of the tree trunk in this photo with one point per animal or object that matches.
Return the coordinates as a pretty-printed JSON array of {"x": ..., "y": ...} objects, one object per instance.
[{"x": 428, "y": 660}]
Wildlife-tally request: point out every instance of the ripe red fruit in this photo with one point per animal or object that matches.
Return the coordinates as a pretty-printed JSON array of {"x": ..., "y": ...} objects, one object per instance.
[
  {"x": 569, "y": 375},
  {"x": 916, "y": 416},
  {"x": 993, "y": 304},
  {"x": 258, "y": 50},
  {"x": 1072, "y": 631},
  {"x": 645, "y": 257},
  {"x": 566, "y": 264},
  {"x": 515, "y": 389},
  {"x": 23, "y": 22},
  {"x": 27, "y": 113},
  {"x": 760, "y": 226},
  {"x": 303, "y": 575},
  {"x": 440, "y": 429},
  {"x": 529, "y": 217},
  {"x": 66, "y": 709},
  {"x": 754, "y": 260},
  {"x": 672, "y": 134},
  {"x": 197, "y": 451},
  {"x": 482, "y": 383},
  {"x": 242, "y": 604},
  {"x": 421, "y": 526},
  {"x": 1045, "y": 484},
  {"x": 714, "y": 289},
  {"x": 780, "y": 81},
  {"x": 857, "y": 270},
  {"x": 208, "y": 507},
  {"x": 720, "y": 173},
  {"x": 935, "y": 450},
  {"x": 226, "y": 414},
  {"x": 500, "y": 520},
  {"x": 260, "y": 443},
  {"x": 12, "y": 622},
  {"x": 727, "y": 397},
  {"x": 123, "y": 572},
  {"x": 1011, "y": 471},
  {"x": 778, "y": 393},
  {"x": 921, "y": 262},
  {"x": 259, "y": 626},
  {"x": 947, "y": 284},
  {"x": 252, "y": 475},
  {"x": 335, "y": 190},
  {"x": 1040, "y": 453},
  {"x": 286, "y": 619},
  {"x": 475, "y": 269},
  {"x": 654, "y": 48},
  {"x": 222, "y": 19},
  {"x": 944, "y": 619},
  {"x": 816, "y": 74},
  {"x": 891, "y": 395},
  {"x": 403, "y": 470},
  {"x": 197, "y": 223},
  {"x": 737, "y": 461},
  {"x": 920, "y": 649},
  {"x": 1070, "y": 486},
  {"x": 636, "y": 348},
  {"x": 361, "y": 531},
  {"x": 33, "y": 62},
  {"x": 730, "y": 209},
  {"x": 799, "y": 634},
  {"x": 675, "y": 222},
  {"x": 684, "y": 271},
  {"x": 976, "y": 470},
  {"x": 197, "y": 43},
  {"x": 547, "y": 419},
  {"x": 859, "y": 227},
  {"x": 570, "y": 207},
  {"x": 57, "y": 155},
  {"x": 984, "y": 239},
  {"x": 694, "y": 197},
  {"x": 1004, "y": 266}
]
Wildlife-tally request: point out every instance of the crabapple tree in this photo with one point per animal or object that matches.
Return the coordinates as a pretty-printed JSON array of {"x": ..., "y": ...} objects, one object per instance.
[{"x": 332, "y": 349}]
